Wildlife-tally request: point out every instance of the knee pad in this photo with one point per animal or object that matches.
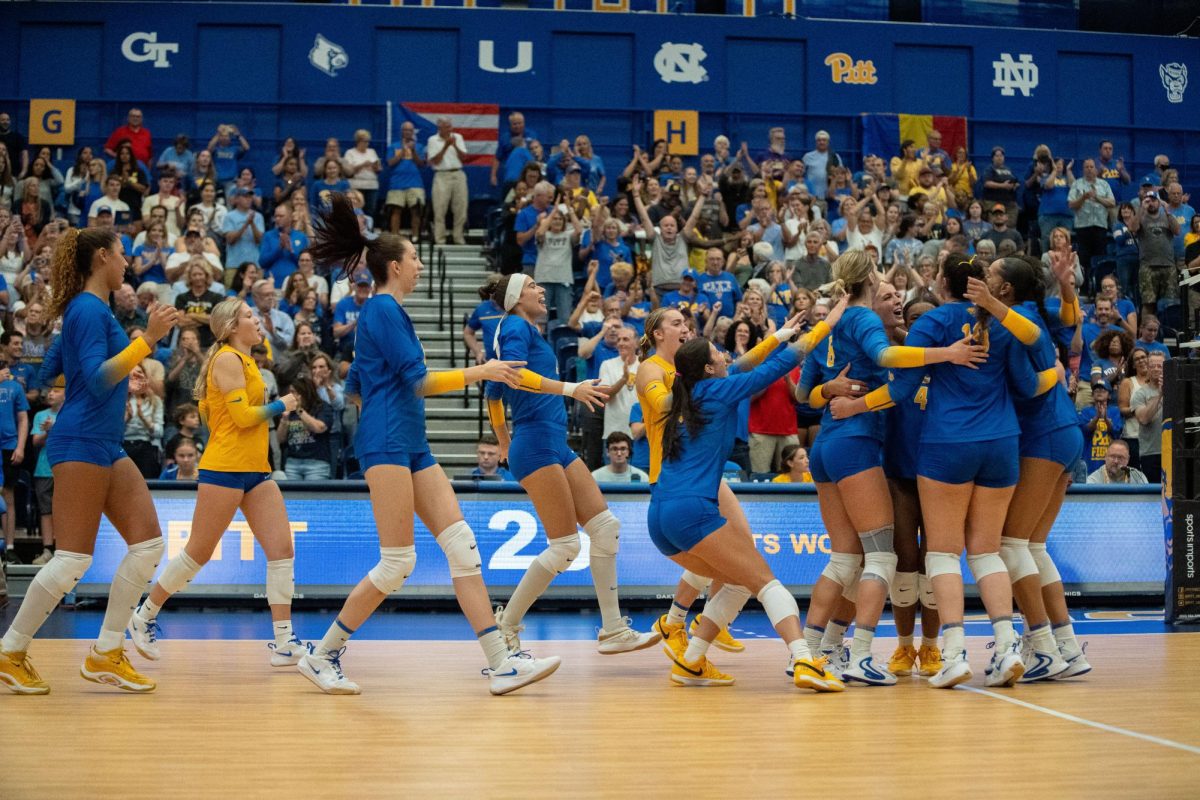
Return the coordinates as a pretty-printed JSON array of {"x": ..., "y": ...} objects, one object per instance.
[
  {"x": 879, "y": 566},
  {"x": 904, "y": 590},
  {"x": 778, "y": 602},
  {"x": 723, "y": 607},
  {"x": 850, "y": 590},
  {"x": 63, "y": 571},
  {"x": 1017, "y": 558},
  {"x": 878, "y": 540},
  {"x": 141, "y": 560},
  {"x": 843, "y": 568},
  {"x": 281, "y": 581},
  {"x": 604, "y": 531},
  {"x": 178, "y": 573},
  {"x": 697, "y": 582},
  {"x": 394, "y": 567},
  {"x": 985, "y": 564},
  {"x": 462, "y": 553},
  {"x": 1045, "y": 564},
  {"x": 941, "y": 564},
  {"x": 925, "y": 587},
  {"x": 558, "y": 556}
]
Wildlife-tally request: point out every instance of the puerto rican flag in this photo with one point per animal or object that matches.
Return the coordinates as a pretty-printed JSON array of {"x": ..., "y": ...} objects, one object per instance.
[{"x": 477, "y": 123}]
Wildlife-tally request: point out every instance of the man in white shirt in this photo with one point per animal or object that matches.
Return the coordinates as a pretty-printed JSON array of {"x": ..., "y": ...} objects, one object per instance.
[
  {"x": 619, "y": 470},
  {"x": 169, "y": 201},
  {"x": 619, "y": 373},
  {"x": 1116, "y": 467},
  {"x": 278, "y": 326},
  {"x": 447, "y": 151}
]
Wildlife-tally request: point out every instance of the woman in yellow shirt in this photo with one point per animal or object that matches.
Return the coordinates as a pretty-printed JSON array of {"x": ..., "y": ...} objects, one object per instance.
[
  {"x": 234, "y": 474},
  {"x": 905, "y": 167},
  {"x": 795, "y": 458}
]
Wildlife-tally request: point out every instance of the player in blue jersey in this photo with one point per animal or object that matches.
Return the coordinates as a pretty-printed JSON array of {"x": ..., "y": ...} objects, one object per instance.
[
  {"x": 563, "y": 491},
  {"x": 685, "y": 521},
  {"x": 1050, "y": 442},
  {"x": 390, "y": 377},
  {"x": 92, "y": 474},
  {"x": 479, "y": 332}
]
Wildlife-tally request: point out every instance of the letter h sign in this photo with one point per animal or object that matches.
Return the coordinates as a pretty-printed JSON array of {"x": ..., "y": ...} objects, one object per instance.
[{"x": 680, "y": 130}]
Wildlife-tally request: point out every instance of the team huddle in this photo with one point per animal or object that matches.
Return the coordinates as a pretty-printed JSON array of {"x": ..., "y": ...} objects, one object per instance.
[{"x": 953, "y": 435}]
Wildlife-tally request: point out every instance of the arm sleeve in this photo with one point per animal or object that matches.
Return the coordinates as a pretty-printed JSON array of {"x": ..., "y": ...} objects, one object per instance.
[
  {"x": 868, "y": 329},
  {"x": 244, "y": 415},
  {"x": 905, "y": 381},
  {"x": 901, "y": 356},
  {"x": 1071, "y": 313},
  {"x": 734, "y": 389},
  {"x": 810, "y": 340},
  {"x": 495, "y": 407},
  {"x": 1026, "y": 331},
  {"x": 755, "y": 355},
  {"x": 100, "y": 373},
  {"x": 658, "y": 396},
  {"x": 442, "y": 382}
]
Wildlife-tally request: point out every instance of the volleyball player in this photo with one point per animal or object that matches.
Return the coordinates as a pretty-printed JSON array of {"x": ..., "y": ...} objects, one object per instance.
[
  {"x": 92, "y": 474},
  {"x": 390, "y": 377},
  {"x": 234, "y": 474},
  {"x": 559, "y": 484}
]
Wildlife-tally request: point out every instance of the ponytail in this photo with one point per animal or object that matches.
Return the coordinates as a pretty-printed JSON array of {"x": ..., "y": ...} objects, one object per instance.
[
  {"x": 339, "y": 243},
  {"x": 72, "y": 264},
  {"x": 958, "y": 269},
  {"x": 222, "y": 321},
  {"x": 654, "y": 322},
  {"x": 690, "y": 361}
]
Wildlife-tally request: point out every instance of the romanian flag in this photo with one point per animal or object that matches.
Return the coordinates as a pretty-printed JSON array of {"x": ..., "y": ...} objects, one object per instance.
[{"x": 883, "y": 133}]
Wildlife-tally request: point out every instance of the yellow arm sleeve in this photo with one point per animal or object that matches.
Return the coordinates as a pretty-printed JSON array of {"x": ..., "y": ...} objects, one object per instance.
[
  {"x": 1070, "y": 314},
  {"x": 816, "y": 399},
  {"x": 811, "y": 339},
  {"x": 898, "y": 356},
  {"x": 1026, "y": 331},
  {"x": 659, "y": 397},
  {"x": 442, "y": 382},
  {"x": 244, "y": 415},
  {"x": 116, "y": 368},
  {"x": 495, "y": 407},
  {"x": 758, "y": 354},
  {"x": 531, "y": 381},
  {"x": 881, "y": 398},
  {"x": 1046, "y": 380}
]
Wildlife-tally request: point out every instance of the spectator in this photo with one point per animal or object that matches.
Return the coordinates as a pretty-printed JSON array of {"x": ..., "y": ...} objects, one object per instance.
[
  {"x": 719, "y": 285},
  {"x": 1183, "y": 213},
  {"x": 487, "y": 457},
  {"x": 1155, "y": 231},
  {"x": 186, "y": 426},
  {"x": 933, "y": 155},
  {"x": 1111, "y": 353},
  {"x": 1126, "y": 311},
  {"x": 49, "y": 180},
  {"x": 618, "y": 469},
  {"x": 227, "y": 154},
  {"x": 35, "y": 213},
  {"x": 618, "y": 374},
  {"x": 143, "y": 425},
  {"x": 332, "y": 181},
  {"x": 134, "y": 133},
  {"x": 447, "y": 154},
  {"x": 795, "y": 462},
  {"x": 1137, "y": 375},
  {"x": 1053, "y": 210},
  {"x": 1112, "y": 171},
  {"x": 594, "y": 175},
  {"x": 363, "y": 167},
  {"x": 243, "y": 229},
  {"x": 406, "y": 189},
  {"x": 773, "y": 423},
  {"x": 203, "y": 174},
  {"x": 247, "y": 180},
  {"x": 178, "y": 157},
  {"x": 290, "y": 181},
  {"x": 196, "y": 304},
  {"x": 905, "y": 168},
  {"x": 1146, "y": 404},
  {"x": 329, "y": 389},
  {"x": 14, "y": 433},
  {"x": 150, "y": 259},
  {"x": 813, "y": 270},
  {"x": 345, "y": 314},
  {"x": 306, "y": 434},
  {"x": 1091, "y": 199},
  {"x": 766, "y": 228},
  {"x": 1101, "y": 425},
  {"x": 818, "y": 161},
  {"x": 1059, "y": 252},
  {"x": 186, "y": 463},
  {"x": 182, "y": 370},
  {"x": 1000, "y": 185},
  {"x": 528, "y": 219},
  {"x": 39, "y": 333},
  {"x": 84, "y": 185},
  {"x": 125, "y": 308},
  {"x": 333, "y": 152},
  {"x": 552, "y": 270},
  {"x": 279, "y": 254},
  {"x": 1000, "y": 231},
  {"x": 668, "y": 245},
  {"x": 1115, "y": 468},
  {"x": 210, "y": 210},
  {"x": 688, "y": 298},
  {"x": 135, "y": 183},
  {"x": 14, "y": 144},
  {"x": 43, "y": 477},
  {"x": 278, "y": 326},
  {"x": 517, "y": 138}
]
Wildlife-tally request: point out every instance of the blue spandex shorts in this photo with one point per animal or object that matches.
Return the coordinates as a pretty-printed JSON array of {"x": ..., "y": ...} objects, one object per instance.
[
  {"x": 534, "y": 447},
  {"x": 833, "y": 460},
  {"x": 1062, "y": 446},
  {"x": 994, "y": 463},
  {"x": 89, "y": 451},
  {"x": 245, "y": 481},
  {"x": 678, "y": 525},
  {"x": 414, "y": 461}
]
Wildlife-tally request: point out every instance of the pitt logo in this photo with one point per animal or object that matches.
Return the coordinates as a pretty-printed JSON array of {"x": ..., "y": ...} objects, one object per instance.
[
  {"x": 179, "y": 530},
  {"x": 844, "y": 69},
  {"x": 1012, "y": 76}
]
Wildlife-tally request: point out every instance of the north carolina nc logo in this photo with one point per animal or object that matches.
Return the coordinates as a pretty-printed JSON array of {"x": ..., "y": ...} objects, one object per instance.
[
  {"x": 1013, "y": 76},
  {"x": 1174, "y": 80},
  {"x": 680, "y": 63},
  {"x": 328, "y": 56}
]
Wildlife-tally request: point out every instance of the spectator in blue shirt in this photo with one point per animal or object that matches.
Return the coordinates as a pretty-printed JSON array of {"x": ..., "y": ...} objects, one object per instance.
[
  {"x": 1101, "y": 423},
  {"x": 487, "y": 454},
  {"x": 610, "y": 249},
  {"x": 527, "y": 221},
  {"x": 1125, "y": 250},
  {"x": 227, "y": 153},
  {"x": 179, "y": 155},
  {"x": 243, "y": 230},
  {"x": 12, "y": 349},
  {"x": 43, "y": 477},
  {"x": 406, "y": 188},
  {"x": 279, "y": 254},
  {"x": 320, "y": 195},
  {"x": 720, "y": 286},
  {"x": 345, "y": 314},
  {"x": 14, "y": 431},
  {"x": 517, "y": 137},
  {"x": 594, "y": 174},
  {"x": 1053, "y": 211},
  {"x": 687, "y": 296}
]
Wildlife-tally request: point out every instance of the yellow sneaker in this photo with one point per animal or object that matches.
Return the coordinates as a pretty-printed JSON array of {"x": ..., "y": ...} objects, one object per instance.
[
  {"x": 698, "y": 673},
  {"x": 19, "y": 675},
  {"x": 113, "y": 669},
  {"x": 674, "y": 637},
  {"x": 723, "y": 640},
  {"x": 902, "y": 661},
  {"x": 930, "y": 659},
  {"x": 810, "y": 673}
]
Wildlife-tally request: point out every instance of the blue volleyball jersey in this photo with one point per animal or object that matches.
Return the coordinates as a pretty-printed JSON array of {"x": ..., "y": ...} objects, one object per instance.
[
  {"x": 858, "y": 340},
  {"x": 485, "y": 318},
  {"x": 520, "y": 340},
  {"x": 966, "y": 405},
  {"x": 903, "y": 424},
  {"x": 388, "y": 370},
  {"x": 697, "y": 471},
  {"x": 1050, "y": 411}
]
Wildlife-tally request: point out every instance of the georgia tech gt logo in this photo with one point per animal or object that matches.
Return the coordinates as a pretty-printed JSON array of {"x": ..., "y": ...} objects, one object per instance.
[
  {"x": 327, "y": 56},
  {"x": 844, "y": 69},
  {"x": 1012, "y": 76},
  {"x": 151, "y": 49},
  {"x": 680, "y": 63}
]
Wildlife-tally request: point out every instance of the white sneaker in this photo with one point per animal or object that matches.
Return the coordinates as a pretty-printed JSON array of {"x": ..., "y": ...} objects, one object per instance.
[
  {"x": 625, "y": 639},
  {"x": 511, "y": 633},
  {"x": 521, "y": 670},
  {"x": 289, "y": 655},
  {"x": 837, "y": 659},
  {"x": 865, "y": 670},
  {"x": 1076, "y": 665},
  {"x": 145, "y": 636},
  {"x": 1042, "y": 666},
  {"x": 953, "y": 672},
  {"x": 1006, "y": 667},
  {"x": 325, "y": 670}
]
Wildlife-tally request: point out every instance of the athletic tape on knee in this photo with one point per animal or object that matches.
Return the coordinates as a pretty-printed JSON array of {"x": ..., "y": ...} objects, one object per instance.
[
  {"x": 394, "y": 567},
  {"x": 879, "y": 566},
  {"x": 559, "y": 555},
  {"x": 63, "y": 571},
  {"x": 942, "y": 564},
  {"x": 724, "y": 606},
  {"x": 842, "y": 568},
  {"x": 778, "y": 602},
  {"x": 462, "y": 553},
  {"x": 878, "y": 540},
  {"x": 604, "y": 531},
  {"x": 281, "y": 581},
  {"x": 925, "y": 586},
  {"x": 1045, "y": 564},
  {"x": 985, "y": 564},
  {"x": 1017, "y": 558},
  {"x": 696, "y": 581},
  {"x": 140, "y": 561},
  {"x": 904, "y": 589},
  {"x": 178, "y": 573}
]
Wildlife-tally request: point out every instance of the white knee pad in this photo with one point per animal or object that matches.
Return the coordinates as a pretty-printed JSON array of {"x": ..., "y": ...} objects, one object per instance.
[
  {"x": 879, "y": 566},
  {"x": 904, "y": 590},
  {"x": 850, "y": 590},
  {"x": 925, "y": 587},
  {"x": 178, "y": 573},
  {"x": 559, "y": 555},
  {"x": 985, "y": 564},
  {"x": 462, "y": 553},
  {"x": 604, "y": 531},
  {"x": 141, "y": 560},
  {"x": 942, "y": 564},
  {"x": 1017, "y": 558},
  {"x": 842, "y": 568},
  {"x": 778, "y": 602},
  {"x": 281, "y": 581},
  {"x": 697, "y": 582},
  {"x": 394, "y": 567},
  {"x": 724, "y": 606},
  {"x": 1045, "y": 564},
  {"x": 63, "y": 571}
]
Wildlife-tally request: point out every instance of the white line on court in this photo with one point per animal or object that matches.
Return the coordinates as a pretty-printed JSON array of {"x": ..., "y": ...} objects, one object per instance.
[{"x": 1099, "y": 725}]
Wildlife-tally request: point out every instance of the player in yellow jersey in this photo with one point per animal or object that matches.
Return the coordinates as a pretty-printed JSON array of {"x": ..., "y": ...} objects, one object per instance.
[{"x": 234, "y": 474}]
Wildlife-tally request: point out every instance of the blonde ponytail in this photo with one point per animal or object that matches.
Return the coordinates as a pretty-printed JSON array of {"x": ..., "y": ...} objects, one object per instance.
[{"x": 222, "y": 321}]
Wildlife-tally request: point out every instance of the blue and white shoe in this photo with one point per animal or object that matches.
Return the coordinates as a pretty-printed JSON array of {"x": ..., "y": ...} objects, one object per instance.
[
  {"x": 1006, "y": 666},
  {"x": 521, "y": 670},
  {"x": 289, "y": 655},
  {"x": 955, "y": 670},
  {"x": 1076, "y": 666},
  {"x": 325, "y": 670},
  {"x": 837, "y": 659},
  {"x": 144, "y": 634},
  {"x": 1042, "y": 666},
  {"x": 866, "y": 671}
]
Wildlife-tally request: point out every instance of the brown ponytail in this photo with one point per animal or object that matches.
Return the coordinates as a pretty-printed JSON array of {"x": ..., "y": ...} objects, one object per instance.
[
  {"x": 72, "y": 264},
  {"x": 339, "y": 243}
]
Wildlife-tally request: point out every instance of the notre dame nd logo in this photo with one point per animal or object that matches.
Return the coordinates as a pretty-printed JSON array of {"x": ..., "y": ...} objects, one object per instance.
[
  {"x": 678, "y": 62},
  {"x": 1015, "y": 76}
]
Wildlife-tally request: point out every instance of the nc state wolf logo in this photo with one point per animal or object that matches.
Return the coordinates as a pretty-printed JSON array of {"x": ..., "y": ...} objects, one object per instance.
[
  {"x": 1174, "y": 80},
  {"x": 327, "y": 56}
]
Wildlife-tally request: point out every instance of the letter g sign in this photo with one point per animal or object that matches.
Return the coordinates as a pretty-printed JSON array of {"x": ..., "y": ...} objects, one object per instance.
[{"x": 52, "y": 122}]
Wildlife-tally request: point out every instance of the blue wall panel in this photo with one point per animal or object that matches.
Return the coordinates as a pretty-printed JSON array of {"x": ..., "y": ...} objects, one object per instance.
[
  {"x": 1095, "y": 88},
  {"x": 765, "y": 73},
  {"x": 42, "y": 62},
  {"x": 592, "y": 67},
  {"x": 921, "y": 85},
  {"x": 238, "y": 62},
  {"x": 416, "y": 65}
]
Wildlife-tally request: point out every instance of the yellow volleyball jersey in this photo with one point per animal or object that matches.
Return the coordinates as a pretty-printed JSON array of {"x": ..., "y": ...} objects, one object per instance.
[
  {"x": 231, "y": 447},
  {"x": 653, "y": 419}
]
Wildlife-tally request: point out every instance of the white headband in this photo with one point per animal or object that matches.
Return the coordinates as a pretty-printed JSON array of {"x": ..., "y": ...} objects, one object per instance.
[{"x": 512, "y": 294}]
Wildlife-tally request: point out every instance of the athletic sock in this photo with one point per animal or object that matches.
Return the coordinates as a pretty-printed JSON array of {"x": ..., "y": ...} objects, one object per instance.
[
  {"x": 906, "y": 641},
  {"x": 335, "y": 638},
  {"x": 677, "y": 614},
  {"x": 697, "y": 648},
  {"x": 1064, "y": 635},
  {"x": 493, "y": 646},
  {"x": 535, "y": 581},
  {"x": 108, "y": 640},
  {"x": 1003, "y": 633},
  {"x": 835, "y": 631},
  {"x": 283, "y": 632},
  {"x": 1042, "y": 638},
  {"x": 604, "y": 579},
  {"x": 812, "y": 637},
  {"x": 148, "y": 610},
  {"x": 799, "y": 649},
  {"x": 927, "y": 642},
  {"x": 860, "y": 646},
  {"x": 954, "y": 639},
  {"x": 133, "y": 576}
]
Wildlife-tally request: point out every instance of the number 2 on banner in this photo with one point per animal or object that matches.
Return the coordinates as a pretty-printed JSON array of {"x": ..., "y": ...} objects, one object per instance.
[{"x": 508, "y": 555}]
